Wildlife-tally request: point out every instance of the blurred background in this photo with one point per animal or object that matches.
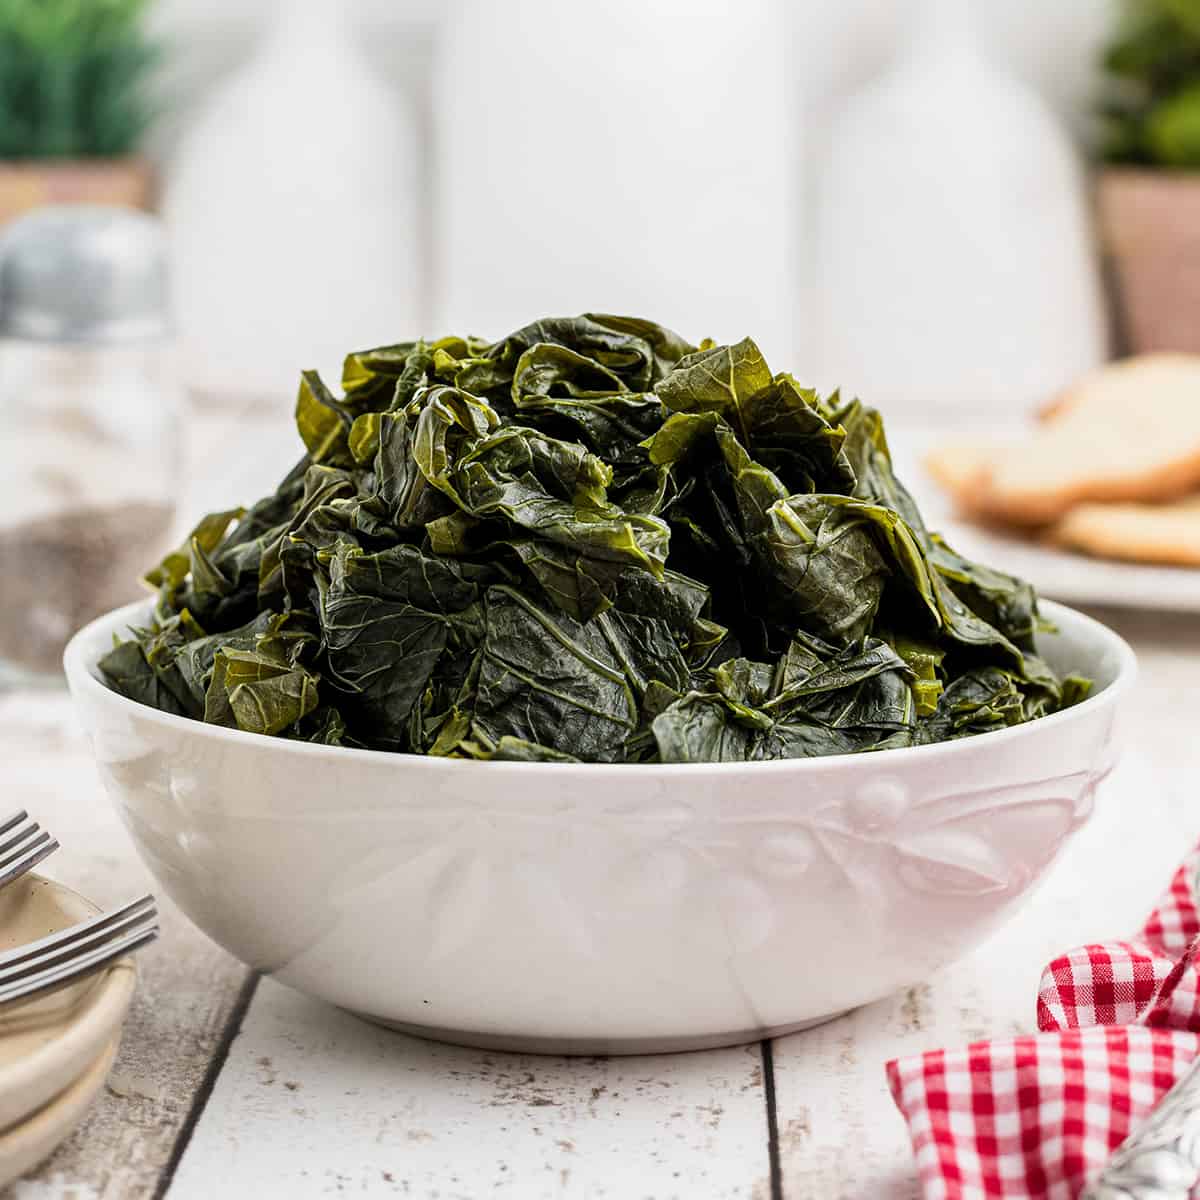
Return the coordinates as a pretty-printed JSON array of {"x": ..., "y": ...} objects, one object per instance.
[
  {"x": 531, "y": 156},
  {"x": 334, "y": 172},
  {"x": 951, "y": 207}
]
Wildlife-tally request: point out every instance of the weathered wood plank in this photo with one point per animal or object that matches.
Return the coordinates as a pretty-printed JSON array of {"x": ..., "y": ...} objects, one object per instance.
[
  {"x": 440, "y": 1121},
  {"x": 840, "y": 1134},
  {"x": 427, "y": 1113},
  {"x": 831, "y": 1092},
  {"x": 188, "y": 986},
  {"x": 314, "y": 1102}
]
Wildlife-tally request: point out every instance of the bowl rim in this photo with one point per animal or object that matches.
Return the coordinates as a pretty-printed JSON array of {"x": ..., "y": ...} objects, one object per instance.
[{"x": 82, "y": 678}]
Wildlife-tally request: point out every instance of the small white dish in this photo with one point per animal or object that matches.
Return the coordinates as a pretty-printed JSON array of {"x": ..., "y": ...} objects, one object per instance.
[
  {"x": 49, "y": 1043},
  {"x": 27, "y": 1144},
  {"x": 600, "y": 908}
]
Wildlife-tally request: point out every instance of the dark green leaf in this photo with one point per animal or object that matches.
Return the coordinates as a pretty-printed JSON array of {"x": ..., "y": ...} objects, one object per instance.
[
  {"x": 386, "y": 619},
  {"x": 722, "y": 380},
  {"x": 571, "y": 686},
  {"x": 323, "y": 422},
  {"x": 589, "y": 541}
]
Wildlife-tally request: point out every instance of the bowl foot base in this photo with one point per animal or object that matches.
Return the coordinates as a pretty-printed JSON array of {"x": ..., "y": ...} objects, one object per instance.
[{"x": 590, "y": 1046}]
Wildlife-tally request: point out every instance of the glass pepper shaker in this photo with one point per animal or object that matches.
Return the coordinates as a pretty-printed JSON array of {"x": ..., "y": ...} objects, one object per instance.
[{"x": 89, "y": 424}]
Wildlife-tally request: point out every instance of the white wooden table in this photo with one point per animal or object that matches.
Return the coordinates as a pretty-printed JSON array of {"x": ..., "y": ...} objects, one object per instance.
[{"x": 228, "y": 1086}]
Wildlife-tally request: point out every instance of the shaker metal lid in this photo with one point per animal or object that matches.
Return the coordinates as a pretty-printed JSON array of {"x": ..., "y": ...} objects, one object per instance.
[{"x": 83, "y": 273}]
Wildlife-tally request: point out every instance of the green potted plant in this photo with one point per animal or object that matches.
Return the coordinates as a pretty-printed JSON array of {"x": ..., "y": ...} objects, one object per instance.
[
  {"x": 73, "y": 102},
  {"x": 1149, "y": 193}
]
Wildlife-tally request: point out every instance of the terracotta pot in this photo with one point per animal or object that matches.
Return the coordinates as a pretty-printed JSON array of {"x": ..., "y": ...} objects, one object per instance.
[
  {"x": 32, "y": 183},
  {"x": 1150, "y": 223}
]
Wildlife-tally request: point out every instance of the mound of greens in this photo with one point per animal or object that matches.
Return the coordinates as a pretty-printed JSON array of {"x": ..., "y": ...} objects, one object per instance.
[{"x": 592, "y": 541}]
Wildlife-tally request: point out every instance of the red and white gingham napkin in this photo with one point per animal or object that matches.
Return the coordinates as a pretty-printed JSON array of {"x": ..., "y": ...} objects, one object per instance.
[{"x": 1038, "y": 1116}]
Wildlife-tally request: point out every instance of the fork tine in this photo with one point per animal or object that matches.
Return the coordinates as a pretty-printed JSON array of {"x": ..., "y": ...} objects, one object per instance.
[
  {"x": 15, "y": 847},
  {"x": 66, "y": 973},
  {"x": 65, "y": 937},
  {"x": 10, "y": 844},
  {"x": 18, "y": 846},
  {"x": 32, "y": 854},
  {"x": 79, "y": 940},
  {"x": 13, "y": 821},
  {"x": 78, "y": 953}
]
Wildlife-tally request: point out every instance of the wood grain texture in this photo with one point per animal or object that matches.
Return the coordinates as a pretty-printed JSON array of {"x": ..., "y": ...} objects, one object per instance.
[
  {"x": 314, "y": 1102},
  {"x": 840, "y": 1135},
  {"x": 830, "y": 1085},
  {"x": 186, "y": 992},
  {"x": 189, "y": 987}
]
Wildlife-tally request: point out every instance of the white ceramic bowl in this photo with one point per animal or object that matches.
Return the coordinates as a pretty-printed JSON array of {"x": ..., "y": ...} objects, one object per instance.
[{"x": 596, "y": 908}]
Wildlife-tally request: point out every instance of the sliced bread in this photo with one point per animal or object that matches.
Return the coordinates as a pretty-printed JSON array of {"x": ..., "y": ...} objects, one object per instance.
[
  {"x": 1149, "y": 533},
  {"x": 1129, "y": 431},
  {"x": 961, "y": 468}
]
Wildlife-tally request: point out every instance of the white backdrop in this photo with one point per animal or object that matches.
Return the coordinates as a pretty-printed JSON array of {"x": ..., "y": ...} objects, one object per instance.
[
  {"x": 1052, "y": 42},
  {"x": 838, "y": 45}
]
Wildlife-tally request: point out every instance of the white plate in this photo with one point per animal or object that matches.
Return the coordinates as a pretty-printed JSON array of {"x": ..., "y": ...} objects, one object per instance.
[
  {"x": 48, "y": 1043},
  {"x": 1077, "y": 578},
  {"x": 1057, "y": 574},
  {"x": 35, "y": 1139}
]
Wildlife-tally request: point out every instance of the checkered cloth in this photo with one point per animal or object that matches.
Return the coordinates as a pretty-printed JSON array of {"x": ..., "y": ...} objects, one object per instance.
[{"x": 1038, "y": 1116}]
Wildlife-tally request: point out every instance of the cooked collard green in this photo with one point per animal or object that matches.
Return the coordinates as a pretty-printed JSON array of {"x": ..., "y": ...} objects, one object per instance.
[{"x": 588, "y": 541}]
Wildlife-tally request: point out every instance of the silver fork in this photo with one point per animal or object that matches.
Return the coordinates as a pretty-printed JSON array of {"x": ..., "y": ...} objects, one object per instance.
[
  {"x": 61, "y": 958},
  {"x": 23, "y": 844},
  {"x": 1159, "y": 1158}
]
